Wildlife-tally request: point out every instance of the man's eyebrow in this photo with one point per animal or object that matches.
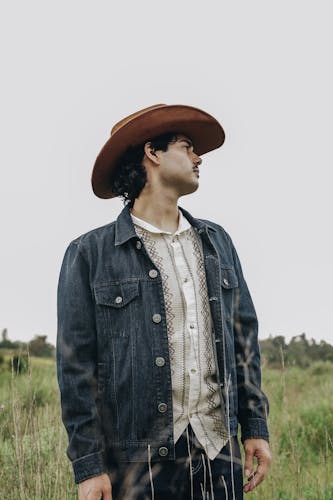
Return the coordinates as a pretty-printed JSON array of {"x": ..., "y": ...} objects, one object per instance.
[{"x": 188, "y": 141}]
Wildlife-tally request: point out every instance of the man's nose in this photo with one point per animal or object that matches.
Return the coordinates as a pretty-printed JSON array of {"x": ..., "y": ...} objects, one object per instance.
[{"x": 197, "y": 160}]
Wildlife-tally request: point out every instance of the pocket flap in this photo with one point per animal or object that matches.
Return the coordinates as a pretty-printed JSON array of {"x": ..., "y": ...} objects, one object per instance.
[
  {"x": 116, "y": 294},
  {"x": 229, "y": 277}
]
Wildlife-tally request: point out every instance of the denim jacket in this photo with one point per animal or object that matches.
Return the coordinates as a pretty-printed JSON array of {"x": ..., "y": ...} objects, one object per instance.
[{"x": 112, "y": 327}]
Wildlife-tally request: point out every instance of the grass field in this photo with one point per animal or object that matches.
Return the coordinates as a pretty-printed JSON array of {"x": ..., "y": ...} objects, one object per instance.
[{"x": 33, "y": 464}]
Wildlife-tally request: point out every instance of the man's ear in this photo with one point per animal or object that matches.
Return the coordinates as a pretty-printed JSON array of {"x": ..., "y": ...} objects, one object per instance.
[{"x": 151, "y": 153}]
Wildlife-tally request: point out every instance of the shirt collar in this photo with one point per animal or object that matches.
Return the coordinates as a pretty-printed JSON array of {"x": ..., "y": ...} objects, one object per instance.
[
  {"x": 124, "y": 227},
  {"x": 183, "y": 225}
]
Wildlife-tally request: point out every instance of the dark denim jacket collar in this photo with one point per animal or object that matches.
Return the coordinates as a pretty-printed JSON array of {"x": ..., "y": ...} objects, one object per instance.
[{"x": 125, "y": 227}]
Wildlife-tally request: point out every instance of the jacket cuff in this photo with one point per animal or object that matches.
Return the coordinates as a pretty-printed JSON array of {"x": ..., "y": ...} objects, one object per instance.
[
  {"x": 89, "y": 466},
  {"x": 254, "y": 428}
]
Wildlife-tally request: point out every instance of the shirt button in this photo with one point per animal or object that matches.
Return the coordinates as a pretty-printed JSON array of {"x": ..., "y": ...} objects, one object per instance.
[
  {"x": 138, "y": 245},
  {"x": 193, "y": 370},
  {"x": 225, "y": 281},
  {"x": 162, "y": 407},
  {"x": 159, "y": 361},
  {"x": 185, "y": 280},
  {"x": 157, "y": 318},
  {"x": 118, "y": 300},
  {"x": 153, "y": 273},
  {"x": 191, "y": 326},
  {"x": 163, "y": 451}
]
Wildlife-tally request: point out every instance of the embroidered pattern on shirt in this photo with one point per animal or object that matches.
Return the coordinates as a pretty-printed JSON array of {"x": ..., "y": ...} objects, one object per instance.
[{"x": 150, "y": 245}]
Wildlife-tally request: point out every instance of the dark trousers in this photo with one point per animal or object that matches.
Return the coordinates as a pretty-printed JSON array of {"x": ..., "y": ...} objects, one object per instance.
[{"x": 197, "y": 478}]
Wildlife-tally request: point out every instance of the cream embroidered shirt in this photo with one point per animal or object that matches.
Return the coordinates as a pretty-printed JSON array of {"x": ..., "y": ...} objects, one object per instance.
[{"x": 195, "y": 391}]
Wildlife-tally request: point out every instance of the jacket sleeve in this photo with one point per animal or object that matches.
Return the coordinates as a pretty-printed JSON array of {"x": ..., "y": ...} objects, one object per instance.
[
  {"x": 253, "y": 406},
  {"x": 76, "y": 366}
]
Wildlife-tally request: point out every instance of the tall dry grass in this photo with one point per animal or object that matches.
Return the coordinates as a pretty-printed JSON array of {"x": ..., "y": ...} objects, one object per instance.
[
  {"x": 32, "y": 438},
  {"x": 33, "y": 464}
]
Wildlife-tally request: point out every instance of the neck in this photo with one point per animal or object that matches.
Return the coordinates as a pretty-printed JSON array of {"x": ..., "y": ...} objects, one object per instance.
[{"x": 159, "y": 209}]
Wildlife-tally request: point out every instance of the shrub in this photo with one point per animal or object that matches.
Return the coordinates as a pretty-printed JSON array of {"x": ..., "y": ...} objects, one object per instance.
[
  {"x": 19, "y": 363},
  {"x": 322, "y": 368}
]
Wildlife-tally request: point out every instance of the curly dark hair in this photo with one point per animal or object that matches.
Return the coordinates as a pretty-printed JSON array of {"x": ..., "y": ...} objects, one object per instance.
[{"x": 130, "y": 175}]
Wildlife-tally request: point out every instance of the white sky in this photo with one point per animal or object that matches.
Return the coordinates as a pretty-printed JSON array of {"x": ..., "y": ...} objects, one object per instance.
[{"x": 70, "y": 70}]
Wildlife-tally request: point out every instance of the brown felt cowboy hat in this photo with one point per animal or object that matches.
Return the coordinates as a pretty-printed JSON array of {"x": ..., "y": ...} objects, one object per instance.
[{"x": 203, "y": 129}]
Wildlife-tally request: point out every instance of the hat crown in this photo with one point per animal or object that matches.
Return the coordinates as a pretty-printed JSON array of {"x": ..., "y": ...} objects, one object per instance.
[{"x": 127, "y": 119}]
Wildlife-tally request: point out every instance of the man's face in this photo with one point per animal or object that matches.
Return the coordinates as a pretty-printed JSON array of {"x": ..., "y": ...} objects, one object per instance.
[{"x": 179, "y": 166}]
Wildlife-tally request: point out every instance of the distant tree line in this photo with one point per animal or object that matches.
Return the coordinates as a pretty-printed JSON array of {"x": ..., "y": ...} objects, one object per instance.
[
  {"x": 300, "y": 351},
  {"x": 36, "y": 347}
]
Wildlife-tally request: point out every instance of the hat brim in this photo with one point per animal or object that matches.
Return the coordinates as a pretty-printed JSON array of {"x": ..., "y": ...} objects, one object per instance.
[{"x": 203, "y": 129}]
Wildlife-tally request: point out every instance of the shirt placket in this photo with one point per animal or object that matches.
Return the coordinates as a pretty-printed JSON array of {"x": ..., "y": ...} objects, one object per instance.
[{"x": 192, "y": 331}]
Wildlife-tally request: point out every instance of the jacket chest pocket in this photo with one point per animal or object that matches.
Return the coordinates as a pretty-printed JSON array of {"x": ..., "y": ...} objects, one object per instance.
[
  {"x": 117, "y": 307},
  {"x": 229, "y": 283}
]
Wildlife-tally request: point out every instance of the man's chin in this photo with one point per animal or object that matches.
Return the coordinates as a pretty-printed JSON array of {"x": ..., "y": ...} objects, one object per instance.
[
  {"x": 195, "y": 185},
  {"x": 189, "y": 189}
]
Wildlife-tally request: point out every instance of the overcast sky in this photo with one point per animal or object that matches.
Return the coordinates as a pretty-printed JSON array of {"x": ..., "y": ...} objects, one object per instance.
[{"x": 71, "y": 70}]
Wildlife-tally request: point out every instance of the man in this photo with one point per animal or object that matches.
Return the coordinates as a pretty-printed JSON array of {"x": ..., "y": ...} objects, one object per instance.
[{"x": 157, "y": 350}]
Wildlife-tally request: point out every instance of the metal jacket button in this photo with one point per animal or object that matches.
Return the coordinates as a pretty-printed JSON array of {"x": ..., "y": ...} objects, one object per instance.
[
  {"x": 162, "y": 407},
  {"x": 157, "y": 318},
  {"x": 163, "y": 451},
  {"x": 225, "y": 281},
  {"x": 159, "y": 361},
  {"x": 118, "y": 300},
  {"x": 138, "y": 245},
  {"x": 153, "y": 273}
]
